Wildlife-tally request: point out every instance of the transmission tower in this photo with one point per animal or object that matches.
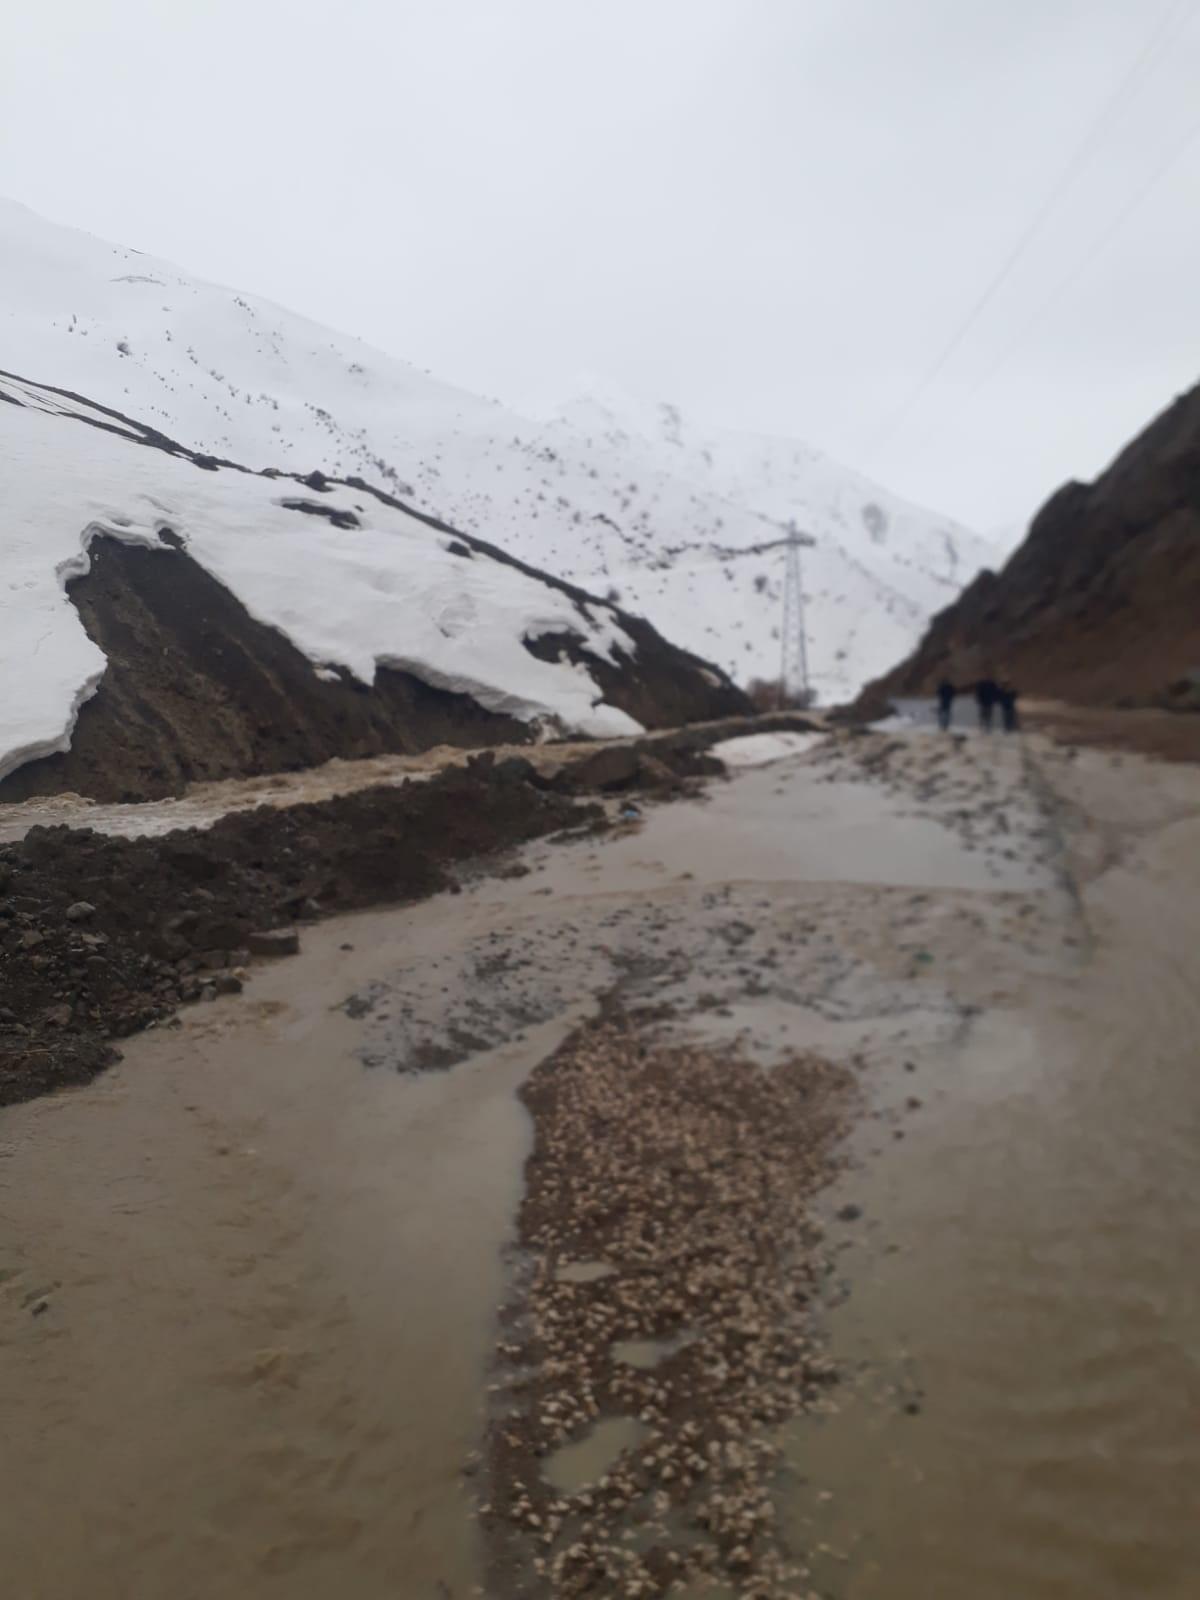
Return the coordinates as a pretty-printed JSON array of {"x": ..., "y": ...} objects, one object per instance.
[{"x": 793, "y": 664}]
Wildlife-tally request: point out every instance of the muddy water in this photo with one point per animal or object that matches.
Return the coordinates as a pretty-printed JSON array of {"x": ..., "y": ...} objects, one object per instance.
[
  {"x": 247, "y": 1288},
  {"x": 1024, "y": 1305},
  {"x": 268, "y": 1281}
]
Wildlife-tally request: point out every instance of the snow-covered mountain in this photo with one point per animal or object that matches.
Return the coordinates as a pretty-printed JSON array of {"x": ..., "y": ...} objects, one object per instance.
[
  {"x": 613, "y": 496},
  {"x": 878, "y": 569}
]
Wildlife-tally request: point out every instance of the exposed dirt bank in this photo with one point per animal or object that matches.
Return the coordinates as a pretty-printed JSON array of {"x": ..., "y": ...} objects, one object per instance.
[
  {"x": 100, "y": 936},
  {"x": 102, "y": 933},
  {"x": 626, "y": 762},
  {"x": 197, "y": 690}
]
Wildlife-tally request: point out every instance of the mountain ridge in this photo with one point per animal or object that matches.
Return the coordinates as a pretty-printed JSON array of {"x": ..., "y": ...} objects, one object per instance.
[{"x": 661, "y": 521}]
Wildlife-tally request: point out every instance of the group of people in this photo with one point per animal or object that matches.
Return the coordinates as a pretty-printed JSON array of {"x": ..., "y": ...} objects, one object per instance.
[{"x": 988, "y": 695}]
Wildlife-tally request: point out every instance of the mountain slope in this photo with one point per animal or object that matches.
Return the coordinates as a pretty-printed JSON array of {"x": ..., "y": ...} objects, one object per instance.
[
  {"x": 605, "y": 494},
  {"x": 349, "y": 580},
  {"x": 1101, "y": 603}
]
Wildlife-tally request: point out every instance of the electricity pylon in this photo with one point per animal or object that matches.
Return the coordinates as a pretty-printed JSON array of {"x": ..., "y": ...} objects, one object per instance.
[
  {"x": 793, "y": 654},
  {"x": 793, "y": 665}
]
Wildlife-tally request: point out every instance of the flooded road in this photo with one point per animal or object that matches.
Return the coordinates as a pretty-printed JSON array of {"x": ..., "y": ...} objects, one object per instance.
[
  {"x": 1023, "y": 1318},
  {"x": 268, "y": 1281},
  {"x": 248, "y": 1285}
]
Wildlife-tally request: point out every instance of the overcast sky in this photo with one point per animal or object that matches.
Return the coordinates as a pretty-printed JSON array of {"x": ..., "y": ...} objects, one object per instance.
[{"x": 777, "y": 213}]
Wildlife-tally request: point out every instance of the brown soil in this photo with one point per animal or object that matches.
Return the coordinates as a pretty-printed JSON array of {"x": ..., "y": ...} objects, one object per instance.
[
  {"x": 1166, "y": 735},
  {"x": 1101, "y": 603},
  {"x": 101, "y": 935},
  {"x": 689, "y": 1173}
]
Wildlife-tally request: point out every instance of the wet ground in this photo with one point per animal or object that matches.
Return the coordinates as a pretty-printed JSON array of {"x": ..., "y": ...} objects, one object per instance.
[{"x": 254, "y": 1271}]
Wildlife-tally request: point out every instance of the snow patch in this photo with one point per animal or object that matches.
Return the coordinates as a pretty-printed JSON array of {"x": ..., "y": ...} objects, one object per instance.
[{"x": 760, "y": 749}]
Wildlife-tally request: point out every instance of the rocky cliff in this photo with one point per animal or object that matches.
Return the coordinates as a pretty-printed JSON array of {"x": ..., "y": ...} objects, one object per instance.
[{"x": 1101, "y": 603}]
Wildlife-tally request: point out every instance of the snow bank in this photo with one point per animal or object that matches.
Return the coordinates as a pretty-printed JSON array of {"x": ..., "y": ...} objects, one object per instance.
[
  {"x": 389, "y": 590},
  {"x": 759, "y": 749}
]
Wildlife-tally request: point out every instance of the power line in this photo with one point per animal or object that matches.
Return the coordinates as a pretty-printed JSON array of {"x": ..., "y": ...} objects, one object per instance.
[
  {"x": 1096, "y": 248},
  {"x": 1163, "y": 29}
]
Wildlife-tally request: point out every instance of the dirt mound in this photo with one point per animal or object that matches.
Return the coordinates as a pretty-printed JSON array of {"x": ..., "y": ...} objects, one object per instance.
[
  {"x": 100, "y": 936},
  {"x": 1101, "y": 604}
]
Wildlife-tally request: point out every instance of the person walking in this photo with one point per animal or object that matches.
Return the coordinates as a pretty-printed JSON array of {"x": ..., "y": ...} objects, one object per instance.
[
  {"x": 1007, "y": 695},
  {"x": 987, "y": 692},
  {"x": 945, "y": 703}
]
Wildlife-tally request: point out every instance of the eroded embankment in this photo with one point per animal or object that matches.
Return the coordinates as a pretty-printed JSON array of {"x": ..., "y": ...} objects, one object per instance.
[
  {"x": 197, "y": 690},
  {"x": 100, "y": 936}
]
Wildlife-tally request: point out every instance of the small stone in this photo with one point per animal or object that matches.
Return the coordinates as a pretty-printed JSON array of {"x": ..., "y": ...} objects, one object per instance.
[
  {"x": 227, "y": 983},
  {"x": 80, "y": 911}
]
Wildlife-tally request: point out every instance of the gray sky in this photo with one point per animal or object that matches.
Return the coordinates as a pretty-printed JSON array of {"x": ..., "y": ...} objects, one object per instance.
[{"x": 775, "y": 212}]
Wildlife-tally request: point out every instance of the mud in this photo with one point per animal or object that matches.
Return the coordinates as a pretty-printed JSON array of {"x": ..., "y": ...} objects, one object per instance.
[
  {"x": 100, "y": 936},
  {"x": 275, "y": 1190},
  {"x": 682, "y": 751},
  {"x": 105, "y": 932}
]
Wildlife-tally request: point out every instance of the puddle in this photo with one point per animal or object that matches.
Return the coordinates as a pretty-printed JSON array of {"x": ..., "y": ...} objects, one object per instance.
[
  {"x": 584, "y": 1272},
  {"x": 580, "y": 1464},
  {"x": 648, "y": 1353},
  {"x": 822, "y": 832}
]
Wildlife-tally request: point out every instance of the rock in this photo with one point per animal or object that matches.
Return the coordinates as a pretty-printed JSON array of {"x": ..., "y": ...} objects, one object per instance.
[
  {"x": 227, "y": 983},
  {"x": 850, "y": 1213},
  {"x": 209, "y": 992},
  {"x": 32, "y": 938},
  {"x": 274, "y": 942},
  {"x": 655, "y": 774},
  {"x": 615, "y": 768},
  {"x": 80, "y": 911}
]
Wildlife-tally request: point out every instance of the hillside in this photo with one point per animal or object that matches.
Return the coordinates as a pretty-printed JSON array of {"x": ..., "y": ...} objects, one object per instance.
[
  {"x": 227, "y": 621},
  {"x": 1101, "y": 603},
  {"x": 609, "y": 494}
]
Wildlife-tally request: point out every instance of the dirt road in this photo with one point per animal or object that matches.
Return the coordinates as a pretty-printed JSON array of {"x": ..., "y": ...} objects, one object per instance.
[{"x": 252, "y": 1280}]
